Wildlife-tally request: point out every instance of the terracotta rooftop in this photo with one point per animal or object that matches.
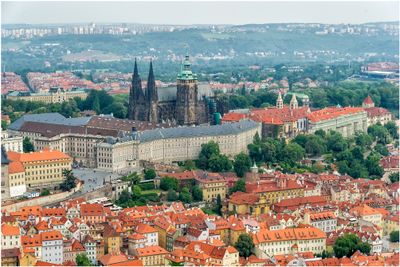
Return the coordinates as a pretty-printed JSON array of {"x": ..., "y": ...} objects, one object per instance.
[
  {"x": 150, "y": 251},
  {"x": 44, "y": 155},
  {"x": 332, "y": 113},
  {"x": 8, "y": 230}
]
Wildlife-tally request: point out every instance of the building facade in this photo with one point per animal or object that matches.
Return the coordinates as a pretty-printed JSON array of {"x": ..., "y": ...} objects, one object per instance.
[
  {"x": 54, "y": 95},
  {"x": 43, "y": 168},
  {"x": 11, "y": 143}
]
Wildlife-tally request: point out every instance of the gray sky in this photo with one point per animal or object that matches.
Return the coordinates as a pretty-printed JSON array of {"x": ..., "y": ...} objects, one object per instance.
[{"x": 199, "y": 12}]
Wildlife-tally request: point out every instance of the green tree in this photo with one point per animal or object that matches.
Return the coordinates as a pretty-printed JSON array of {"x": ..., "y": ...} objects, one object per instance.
[
  {"x": 240, "y": 185},
  {"x": 315, "y": 145},
  {"x": 394, "y": 236},
  {"x": 149, "y": 174},
  {"x": 336, "y": 142},
  {"x": 136, "y": 192},
  {"x": 189, "y": 165},
  {"x": 167, "y": 183},
  {"x": 3, "y": 125},
  {"x": 219, "y": 163},
  {"x": 173, "y": 263},
  {"x": 381, "y": 149},
  {"x": 124, "y": 197},
  {"x": 347, "y": 244},
  {"x": 45, "y": 192},
  {"x": 172, "y": 195},
  {"x": 27, "y": 145},
  {"x": 207, "y": 151},
  {"x": 293, "y": 153},
  {"x": 69, "y": 180},
  {"x": 82, "y": 260},
  {"x": 364, "y": 140},
  {"x": 197, "y": 193},
  {"x": 218, "y": 205},
  {"x": 185, "y": 195},
  {"x": 242, "y": 164},
  {"x": 379, "y": 133},
  {"x": 96, "y": 105},
  {"x": 394, "y": 177},
  {"x": 373, "y": 165},
  {"x": 245, "y": 245},
  {"x": 392, "y": 129}
]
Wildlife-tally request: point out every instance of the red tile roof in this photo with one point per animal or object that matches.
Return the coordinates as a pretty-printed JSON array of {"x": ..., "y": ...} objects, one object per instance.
[
  {"x": 332, "y": 113},
  {"x": 150, "y": 251},
  {"x": 44, "y": 155},
  {"x": 8, "y": 230},
  {"x": 92, "y": 210},
  {"x": 233, "y": 117},
  {"x": 368, "y": 100}
]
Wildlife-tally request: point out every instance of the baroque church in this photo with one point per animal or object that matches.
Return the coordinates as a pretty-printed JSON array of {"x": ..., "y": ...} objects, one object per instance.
[{"x": 185, "y": 106}]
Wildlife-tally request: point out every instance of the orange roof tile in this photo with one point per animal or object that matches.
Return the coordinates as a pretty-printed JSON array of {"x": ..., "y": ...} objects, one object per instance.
[
  {"x": 51, "y": 235},
  {"x": 44, "y": 155},
  {"x": 151, "y": 250},
  {"x": 332, "y": 113},
  {"x": 233, "y": 116},
  {"x": 7, "y": 230},
  {"x": 15, "y": 167}
]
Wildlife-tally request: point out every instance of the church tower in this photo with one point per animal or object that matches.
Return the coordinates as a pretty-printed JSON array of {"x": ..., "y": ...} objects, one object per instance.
[
  {"x": 186, "y": 95},
  {"x": 137, "y": 102},
  {"x": 152, "y": 96},
  {"x": 279, "y": 101},
  {"x": 293, "y": 102}
]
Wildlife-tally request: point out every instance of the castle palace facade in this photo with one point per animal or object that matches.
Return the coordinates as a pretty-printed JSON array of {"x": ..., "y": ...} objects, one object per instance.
[{"x": 185, "y": 106}]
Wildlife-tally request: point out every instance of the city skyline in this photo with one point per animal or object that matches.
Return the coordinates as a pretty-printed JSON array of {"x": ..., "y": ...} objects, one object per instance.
[{"x": 326, "y": 12}]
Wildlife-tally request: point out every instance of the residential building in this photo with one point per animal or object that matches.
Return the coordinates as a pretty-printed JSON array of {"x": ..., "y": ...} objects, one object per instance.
[
  {"x": 152, "y": 255},
  {"x": 376, "y": 114},
  {"x": 43, "y": 168},
  {"x": 10, "y": 236},
  {"x": 92, "y": 213},
  {"x": 247, "y": 204},
  {"x": 325, "y": 221},
  {"x": 54, "y": 95},
  {"x": 368, "y": 214},
  {"x": 149, "y": 232},
  {"x": 10, "y": 256},
  {"x": 5, "y": 183},
  {"x": 11, "y": 143},
  {"x": 52, "y": 247},
  {"x": 291, "y": 240},
  {"x": 347, "y": 121}
]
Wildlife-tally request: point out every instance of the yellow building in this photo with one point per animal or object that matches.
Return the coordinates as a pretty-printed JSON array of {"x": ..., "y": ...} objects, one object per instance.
[
  {"x": 152, "y": 255},
  {"x": 390, "y": 224},
  {"x": 212, "y": 185},
  {"x": 269, "y": 243},
  {"x": 163, "y": 227},
  {"x": 42, "y": 168},
  {"x": 16, "y": 176},
  {"x": 55, "y": 95},
  {"x": 28, "y": 259},
  {"x": 247, "y": 204},
  {"x": 368, "y": 214},
  {"x": 236, "y": 228}
]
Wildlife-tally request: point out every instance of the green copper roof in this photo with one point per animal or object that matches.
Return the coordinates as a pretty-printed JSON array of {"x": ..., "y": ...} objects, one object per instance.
[{"x": 186, "y": 71}]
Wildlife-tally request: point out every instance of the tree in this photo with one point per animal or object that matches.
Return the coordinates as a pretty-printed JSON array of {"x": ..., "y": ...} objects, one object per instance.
[
  {"x": 394, "y": 177},
  {"x": 185, "y": 195},
  {"x": 149, "y": 174},
  {"x": 218, "y": 205},
  {"x": 136, "y": 192},
  {"x": 315, "y": 145},
  {"x": 394, "y": 236},
  {"x": 197, "y": 193},
  {"x": 242, "y": 164},
  {"x": 82, "y": 260},
  {"x": 173, "y": 263},
  {"x": 381, "y": 149},
  {"x": 207, "y": 151},
  {"x": 3, "y": 125},
  {"x": 172, "y": 195},
  {"x": 124, "y": 197},
  {"x": 27, "y": 145},
  {"x": 167, "y": 183},
  {"x": 373, "y": 165},
  {"x": 240, "y": 185},
  {"x": 69, "y": 180},
  {"x": 245, "y": 245},
  {"x": 364, "y": 140},
  {"x": 293, "y": 153},
  {"x": 219, "y": 163},
  {"x": 45, "y": 192},
  {"x": 379, "y": 133},
  {"x": 189, "y": 165},
  {"x": 392, "y": 129},
  {"x": 96, "y": 105},
  {"x": 336, "y": 142},
  {"x": 347, "y": 244}
]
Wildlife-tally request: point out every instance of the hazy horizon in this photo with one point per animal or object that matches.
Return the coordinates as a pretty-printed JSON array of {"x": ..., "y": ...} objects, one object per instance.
[{"x": 199, "y": 13}]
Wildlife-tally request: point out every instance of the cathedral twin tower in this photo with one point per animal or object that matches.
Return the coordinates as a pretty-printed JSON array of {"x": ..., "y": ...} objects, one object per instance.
[{"x": 185, "y": 108}]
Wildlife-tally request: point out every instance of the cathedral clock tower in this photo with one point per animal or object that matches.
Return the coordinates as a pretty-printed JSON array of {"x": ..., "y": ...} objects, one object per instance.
[{"x": 186, "y": 95}]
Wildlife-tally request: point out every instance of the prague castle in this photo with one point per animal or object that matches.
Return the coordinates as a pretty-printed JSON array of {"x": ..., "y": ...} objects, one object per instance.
[{"x": 187, "y": 106}]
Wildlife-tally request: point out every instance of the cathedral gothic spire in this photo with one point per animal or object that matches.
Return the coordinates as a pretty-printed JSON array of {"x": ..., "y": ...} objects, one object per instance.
[
  {"x": 152, "y": 96},
  {"x": 293, "y": 102}
]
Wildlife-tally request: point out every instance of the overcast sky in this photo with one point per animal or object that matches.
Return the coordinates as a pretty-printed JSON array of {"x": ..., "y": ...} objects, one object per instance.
[{"x": 199, "y": 12}]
